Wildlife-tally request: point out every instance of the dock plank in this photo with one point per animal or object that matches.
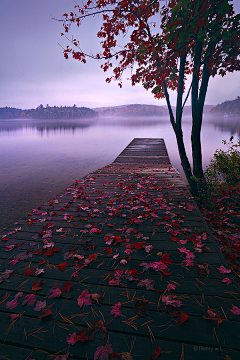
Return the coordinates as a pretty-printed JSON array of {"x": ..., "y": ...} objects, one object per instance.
[{"x": 115, "y": 226}]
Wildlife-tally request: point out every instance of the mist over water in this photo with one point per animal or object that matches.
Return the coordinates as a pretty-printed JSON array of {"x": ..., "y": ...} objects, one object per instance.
[{"x": 40, "y": 158}]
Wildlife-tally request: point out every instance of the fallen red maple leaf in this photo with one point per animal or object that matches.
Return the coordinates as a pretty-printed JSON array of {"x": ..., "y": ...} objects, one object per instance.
[
  {"x": 29, "y": 272},
  {"x": 156, "y": 353},
  {"x": 109, "y": 251},
  {"x": 57, "y": 249},
  {"x": 166, "y": 258},
  {"x": 82, "y": 336},
  {"x": 93, "y": 257},
  {"x": 45, "y": 313},
  {"x": 182, "y": 317},
  {"x": 67, "y": 287},
  {"x": 37, "y": 285},
  {"x": 139, "y": 245},
  {"x": 62, "y": 266},
  {"x": 49, "y": 253},
  {"x": 134, "y": 273}
]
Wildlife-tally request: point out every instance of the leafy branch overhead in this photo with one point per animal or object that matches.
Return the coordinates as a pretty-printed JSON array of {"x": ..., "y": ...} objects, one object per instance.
[
  {"x": 163, "y": 43},
  {"x": 207, "y": 32}
]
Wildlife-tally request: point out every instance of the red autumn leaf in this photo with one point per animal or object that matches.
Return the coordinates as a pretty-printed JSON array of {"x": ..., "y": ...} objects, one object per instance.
[
  {"x": 37, "y": 285},
  {"x": 62, "y": 266},
  {"x": 42, "y": 262},
  {"x": 38, "y": 252},
  {"x": 67, "y": 287},
  {"x": 166, "y": 258},
  {"x": 57, "y": 249},
  {"x": 29, "y": 272},
  {"x": 156, "y": 353},
  {"x": 93, "y": 257},
  {"x": 49, "y": 253},
  {"x": 182, "y": 317},
  {"x": 165, "y": 217},
  {"x": 165, "y": 272},
  {"x": 45, "y": 313},
  {"x": 82, "y": 336},
  {"x": 109, "y": 251},
  {"x": 139, "y": 245},
  {"x": 134, "y": 273}
]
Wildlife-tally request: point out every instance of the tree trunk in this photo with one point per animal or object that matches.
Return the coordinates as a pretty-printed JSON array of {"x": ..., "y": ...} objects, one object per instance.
[
  {"x": 185, "y": 162},
  {"x": 177, "y": 127},
  {"x": 197, "y": 111},
  {"x": 196, "y": 146}
]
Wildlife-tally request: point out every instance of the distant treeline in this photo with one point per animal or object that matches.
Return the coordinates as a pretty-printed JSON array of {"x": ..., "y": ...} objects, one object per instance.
[
  {"x": 48, "y": 112},
  {"x": 227, "y": 107}
]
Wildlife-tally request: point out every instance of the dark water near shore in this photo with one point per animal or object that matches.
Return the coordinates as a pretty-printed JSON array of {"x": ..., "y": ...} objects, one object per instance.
[{"x": 39, "y": 158}]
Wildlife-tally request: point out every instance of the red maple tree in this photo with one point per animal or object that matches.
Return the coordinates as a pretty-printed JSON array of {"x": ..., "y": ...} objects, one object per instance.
[{"x": 165, "y": 42}]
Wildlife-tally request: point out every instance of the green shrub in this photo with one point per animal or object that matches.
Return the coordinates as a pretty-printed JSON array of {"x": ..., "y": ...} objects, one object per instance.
[{"x": 224, "y": 168}]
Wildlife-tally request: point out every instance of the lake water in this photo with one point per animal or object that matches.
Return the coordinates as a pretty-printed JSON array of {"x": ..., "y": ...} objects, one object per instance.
[{"x": 40, "y": 158}]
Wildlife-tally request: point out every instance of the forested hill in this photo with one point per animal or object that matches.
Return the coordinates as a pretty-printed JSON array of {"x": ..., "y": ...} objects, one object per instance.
[
  {"x": 143, "y": 110},
  {"x": 227, "y": 107},
  {"x": 133, "y": 110},
  {"x": 48, "y": 112}
]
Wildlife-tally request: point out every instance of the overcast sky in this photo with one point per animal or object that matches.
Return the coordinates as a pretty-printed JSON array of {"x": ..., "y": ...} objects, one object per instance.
[{"x": 33, "y": 70}]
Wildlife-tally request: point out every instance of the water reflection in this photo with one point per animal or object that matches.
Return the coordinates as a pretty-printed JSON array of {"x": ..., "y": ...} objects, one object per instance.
[
  {"x": 229, "y": 124},
  {"x": 131, "y": 122},
  {"x": 39, "y": 158},
  {"x": 45, "y": 126}
]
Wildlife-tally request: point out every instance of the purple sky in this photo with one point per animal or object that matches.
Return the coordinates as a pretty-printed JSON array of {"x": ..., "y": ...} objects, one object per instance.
[{"x": 34, "y": 71}]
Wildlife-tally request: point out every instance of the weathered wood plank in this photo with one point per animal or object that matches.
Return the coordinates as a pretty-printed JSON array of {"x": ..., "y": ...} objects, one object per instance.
[{"x": 138, "y": 199}]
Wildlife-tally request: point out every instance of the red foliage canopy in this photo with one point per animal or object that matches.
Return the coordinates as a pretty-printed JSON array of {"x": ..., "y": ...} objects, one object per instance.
[{"x": 153, "y": 54}]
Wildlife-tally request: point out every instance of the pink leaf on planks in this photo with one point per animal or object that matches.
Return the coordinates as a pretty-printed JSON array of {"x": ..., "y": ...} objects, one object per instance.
[
  {"x": 55, "y": 293},
  {"x": 147, "y": 283},
  {"x": 103, "y": 352},
  {"x": 171, "y": 287},
  {"x": 13, "y": 316},
  {"x": 235, "y": 310},
  {"x": 71, "y": 340},
  {"x": 84, "y": 298},
  {"x": 40, "y": 305},
  {"x": 227, "y": 280},
  {"x": 29, "y": 299},
  {"x": 223, "y": 270},
  {"x": 116, "y": 310}
]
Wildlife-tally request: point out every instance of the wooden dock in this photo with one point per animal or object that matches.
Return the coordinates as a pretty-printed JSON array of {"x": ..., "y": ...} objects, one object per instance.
[{"x": 120, "y": 265}]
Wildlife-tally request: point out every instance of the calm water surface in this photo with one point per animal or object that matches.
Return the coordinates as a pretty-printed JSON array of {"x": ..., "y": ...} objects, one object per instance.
[{"x": 39, "y": 158}]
